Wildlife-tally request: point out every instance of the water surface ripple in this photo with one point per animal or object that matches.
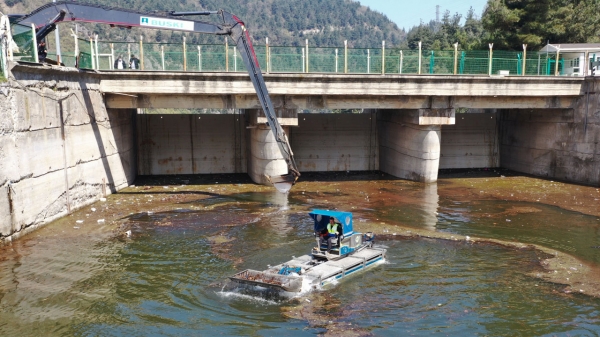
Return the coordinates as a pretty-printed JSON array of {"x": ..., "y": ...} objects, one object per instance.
[{"x": 166, "y": 277}]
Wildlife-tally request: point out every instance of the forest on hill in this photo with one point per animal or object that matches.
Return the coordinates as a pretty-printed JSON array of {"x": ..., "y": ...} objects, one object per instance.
[
  {"x": 284, "y": 22},
  {"x": 509, "y": 24}
]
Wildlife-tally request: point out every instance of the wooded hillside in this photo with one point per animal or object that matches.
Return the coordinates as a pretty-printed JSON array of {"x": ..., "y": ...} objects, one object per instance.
[{"x": 284, "y": 22}]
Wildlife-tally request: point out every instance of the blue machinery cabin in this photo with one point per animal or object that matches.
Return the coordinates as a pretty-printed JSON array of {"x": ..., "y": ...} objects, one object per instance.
[{"x": 347, "y": 241}]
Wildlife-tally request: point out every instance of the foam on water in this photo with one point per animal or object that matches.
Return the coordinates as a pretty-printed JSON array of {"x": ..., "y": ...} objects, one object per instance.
[
  {"x": 251, "y": 298},
  {"x": 307, "y": 287}
]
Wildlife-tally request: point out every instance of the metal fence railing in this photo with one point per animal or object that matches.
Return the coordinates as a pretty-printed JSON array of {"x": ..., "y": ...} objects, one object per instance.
[{"x": 94, "y": 54}]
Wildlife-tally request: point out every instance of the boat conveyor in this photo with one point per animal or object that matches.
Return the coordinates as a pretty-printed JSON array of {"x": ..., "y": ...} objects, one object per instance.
[{"x": 348, "y": 253}]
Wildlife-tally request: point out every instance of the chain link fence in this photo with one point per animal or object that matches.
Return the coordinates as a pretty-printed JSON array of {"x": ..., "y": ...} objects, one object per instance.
[{"x": 92, "y": 54}]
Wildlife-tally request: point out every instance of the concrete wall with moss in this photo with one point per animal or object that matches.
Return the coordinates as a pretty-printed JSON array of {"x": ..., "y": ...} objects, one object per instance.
[
  {"x": 60, "y": 148},
  {"x": 560, "y": 144}
]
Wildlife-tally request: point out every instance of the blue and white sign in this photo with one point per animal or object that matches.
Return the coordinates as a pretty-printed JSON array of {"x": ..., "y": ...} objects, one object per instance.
[{"x": 166, "y": 23}]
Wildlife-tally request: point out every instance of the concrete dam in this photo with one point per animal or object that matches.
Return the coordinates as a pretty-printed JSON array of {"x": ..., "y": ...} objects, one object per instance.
[{"x": 69, "y": 137}]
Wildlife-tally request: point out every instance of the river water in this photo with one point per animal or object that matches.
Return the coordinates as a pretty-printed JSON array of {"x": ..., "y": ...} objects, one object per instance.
[{"x": 87, "y": 277}]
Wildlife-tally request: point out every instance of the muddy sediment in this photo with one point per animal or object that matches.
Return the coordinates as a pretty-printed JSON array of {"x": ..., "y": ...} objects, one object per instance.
[{"x": 559, "y": 268}]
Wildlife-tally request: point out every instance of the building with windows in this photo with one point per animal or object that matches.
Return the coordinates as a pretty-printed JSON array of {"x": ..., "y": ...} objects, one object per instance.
[{"x": 572, "y": 58}]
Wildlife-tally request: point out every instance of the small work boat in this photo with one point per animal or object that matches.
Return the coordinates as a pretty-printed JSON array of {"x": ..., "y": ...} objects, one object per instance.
[{"x": 349, "y": 253}]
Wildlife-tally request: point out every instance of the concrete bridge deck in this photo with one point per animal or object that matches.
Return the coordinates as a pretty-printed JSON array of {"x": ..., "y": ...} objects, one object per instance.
[{"x": 139, "y": 89}]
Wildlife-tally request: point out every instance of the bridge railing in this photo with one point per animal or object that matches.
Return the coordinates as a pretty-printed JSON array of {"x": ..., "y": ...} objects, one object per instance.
[{"x": 94, "y": 54}]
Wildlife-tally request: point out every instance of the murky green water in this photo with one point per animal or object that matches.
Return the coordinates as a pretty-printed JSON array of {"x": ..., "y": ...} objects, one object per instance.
[{"x": 165, "y": 279}]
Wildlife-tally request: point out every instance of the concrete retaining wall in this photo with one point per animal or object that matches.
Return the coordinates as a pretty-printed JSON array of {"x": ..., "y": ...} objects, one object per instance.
[
  {"x": 335, "y": 142},
  {"x": 470, "y": 143},
  {"x": 559, "y": 144},
  {"x": 60, "y": 149},
  {"x": 191, "y": 144}
]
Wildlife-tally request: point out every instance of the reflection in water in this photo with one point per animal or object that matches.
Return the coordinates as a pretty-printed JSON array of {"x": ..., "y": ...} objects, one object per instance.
[
  {"x": 430, "y": 205},
  {"x": 280, "y": 218}
]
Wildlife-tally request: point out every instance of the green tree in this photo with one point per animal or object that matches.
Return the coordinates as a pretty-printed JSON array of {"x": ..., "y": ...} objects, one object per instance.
[{"x": 511, "y": 23}]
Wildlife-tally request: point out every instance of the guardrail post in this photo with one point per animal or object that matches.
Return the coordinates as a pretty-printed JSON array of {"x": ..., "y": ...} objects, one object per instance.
[
  {"x": 4, "y": 44},
  {"x": 92, "y": 53},
  {"x": 267, "y": 56},
  {"x": 368, "y": 61},
  {"x": 57, "y": 42},
  {"x": 557, "y": 59},
  {"x": 199, "y": 58},
  {"x": 226, "y": 55},
  {"x": 382, "y": 57},
  {"x": 524, "y": 60},
  {"x": 184, "y": 55},
  {"x": 490, "y": 60},
  {"x": 141, "y": 53},
  {"x": 336, "y": 60},
  {"x": 3, "y": 56},
  {"x": 586, "y": 63},
  {"x": 112, "y": 56},
  {"x": 234, "y": 58},
  {"x": 419, "y": 70},
  {"x": 76, "y": 52},
  {"x": 35, "y": 47},
  {"x": 401, "y": 61},
  {"x": 456, "y": 58},
  {"x": 307, "y": 62},
  {"x": 129, "y": 52},
  {"x": 97, "y": 56},
  {"x": 303, "y": 60},
  {"x": 162, "y": 56},
  {"x": 345, "y": 56}
]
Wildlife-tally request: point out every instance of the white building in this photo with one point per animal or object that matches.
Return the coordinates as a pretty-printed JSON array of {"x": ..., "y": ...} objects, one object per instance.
[{"x": 572, "y": 58}]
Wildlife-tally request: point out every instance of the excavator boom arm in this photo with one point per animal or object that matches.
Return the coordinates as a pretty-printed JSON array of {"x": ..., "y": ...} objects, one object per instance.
[{"x": 46, "y": 17}]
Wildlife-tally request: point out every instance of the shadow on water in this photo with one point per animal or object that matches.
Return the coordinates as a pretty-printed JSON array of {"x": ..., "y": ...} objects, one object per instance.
[{"x": 238, "y": 178}]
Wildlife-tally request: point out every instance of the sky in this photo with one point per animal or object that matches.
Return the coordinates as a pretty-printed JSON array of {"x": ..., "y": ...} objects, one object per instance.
[{"x": 409, "y": 13}]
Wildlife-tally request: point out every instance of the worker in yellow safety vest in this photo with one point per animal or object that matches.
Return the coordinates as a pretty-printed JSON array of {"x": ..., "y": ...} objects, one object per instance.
[{"x": 332, "y": 231}]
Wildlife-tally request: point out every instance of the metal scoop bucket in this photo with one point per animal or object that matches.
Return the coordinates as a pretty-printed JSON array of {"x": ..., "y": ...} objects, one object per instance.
[{"x": 284, "y": 182}]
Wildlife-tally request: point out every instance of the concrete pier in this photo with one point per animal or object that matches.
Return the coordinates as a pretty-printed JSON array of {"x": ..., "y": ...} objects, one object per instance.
[
  {"x": 409, "y": 151},
  {"x": 264, "y": 158}
]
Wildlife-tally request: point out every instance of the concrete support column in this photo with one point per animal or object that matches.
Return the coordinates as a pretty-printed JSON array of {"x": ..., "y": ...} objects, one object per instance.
[
  {"x": 265, "y": 158},
  {"x": 408, "y": 150}
]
